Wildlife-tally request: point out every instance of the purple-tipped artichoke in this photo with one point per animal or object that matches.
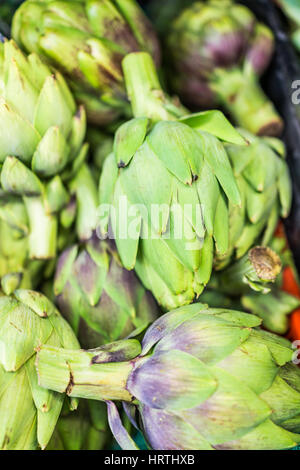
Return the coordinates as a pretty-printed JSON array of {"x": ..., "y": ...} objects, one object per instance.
[
  {"x": 101, "y": 300},
  {"x": 202, "y": 379},
  {"x": 87, "y": 40},
  {"x": 217, "y": 52}
]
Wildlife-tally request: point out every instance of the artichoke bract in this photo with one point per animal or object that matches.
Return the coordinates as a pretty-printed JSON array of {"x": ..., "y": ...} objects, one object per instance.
[
  {"x": 41, "y": 148},
  {"x": 16, "y": 269},
  {"x": 217, "y": 52},
  {"x": 164, "y": 191},
  {"x": 87, "y": 40},
  {"x": 28, "y": 412},
  {"x": 101, "y": 300},
  {"x": 201, "y": 379}
]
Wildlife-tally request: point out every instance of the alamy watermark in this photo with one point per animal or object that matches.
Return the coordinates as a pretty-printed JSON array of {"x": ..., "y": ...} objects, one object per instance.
[
  {"x": 296, "y": 92},
  {"x": 296, "y": 354},
  {"x": 175, "y": 221}
]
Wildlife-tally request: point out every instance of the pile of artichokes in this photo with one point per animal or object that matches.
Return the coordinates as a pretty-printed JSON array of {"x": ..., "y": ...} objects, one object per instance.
[{"x": 141, "y": 227}]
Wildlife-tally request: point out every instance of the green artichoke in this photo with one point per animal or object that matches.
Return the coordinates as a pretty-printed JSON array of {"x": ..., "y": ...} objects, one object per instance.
[
  {"x": 28, "y": 413},
  {"x": 217, "y": 52},
  {"x": 42, "y": 150},
  {"x": 101, "y": 300},
  {"x": 264, "y": 183},
  {"x": 86, "y": 40},
  {"x": 202, "y": 379},
  {"x": 164, "y": 190}
]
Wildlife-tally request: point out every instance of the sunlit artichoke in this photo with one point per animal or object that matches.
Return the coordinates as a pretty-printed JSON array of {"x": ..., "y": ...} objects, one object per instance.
[{"x": 164, "y": 190}]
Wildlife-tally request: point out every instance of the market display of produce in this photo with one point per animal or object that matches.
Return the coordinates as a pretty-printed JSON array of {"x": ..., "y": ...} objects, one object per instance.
[{"x": 149, "y": 225}]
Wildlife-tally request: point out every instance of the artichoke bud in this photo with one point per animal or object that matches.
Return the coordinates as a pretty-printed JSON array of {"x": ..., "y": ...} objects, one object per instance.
[
  {"x": 265, "y": 189},
  {"x": 101, "y": 300},
  {"x": 223, "y": 50},
  {"x": 212, "y": 380},
  {"x": 35, "y": 412},
  {"x": 191, "y": 193}
]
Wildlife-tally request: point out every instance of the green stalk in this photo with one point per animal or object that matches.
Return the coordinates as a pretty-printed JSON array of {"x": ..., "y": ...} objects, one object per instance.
[
  {"x": 76, "y": 373},
  {"x": 43, "y": 229},
  {"x": 144, "y": 91},
  {"x": 241, "y": 94}
]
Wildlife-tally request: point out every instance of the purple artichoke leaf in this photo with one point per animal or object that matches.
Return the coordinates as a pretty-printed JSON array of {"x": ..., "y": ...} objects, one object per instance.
[
  {"x": 168, "y": 323},
  {"x": 131, "y": 411},
  {"x": 166, "y": 431},
  {"x": 118, "y": 351},
  {"x": 156, "y": 382},
  {"x": 206, "y": 337},
  {"x": 117, "y": 428}
]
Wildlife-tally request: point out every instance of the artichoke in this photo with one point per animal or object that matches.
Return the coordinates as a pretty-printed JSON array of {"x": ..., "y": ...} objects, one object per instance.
[
  {"x": 164, "y": 190},
  {"x": 264, "y": 183},
  {"x": 86, "y": 40},
  {"x": 101, "y": 300},
  {"x": 28, "y": 412},
  {"x": 202, "y": 379},
  {"x": 217, "y": 52},
  {"x": 42, "y": 150}
]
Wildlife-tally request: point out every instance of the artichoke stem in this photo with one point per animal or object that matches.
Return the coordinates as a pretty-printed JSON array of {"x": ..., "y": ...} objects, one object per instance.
[
  {"x": 144, "y": 91},
  {"x": 258, "y": 267},
  {"x": 242, "y": 96},
  {"x": 76, "y": 373},
  {"x": 43, "y": 229}
]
